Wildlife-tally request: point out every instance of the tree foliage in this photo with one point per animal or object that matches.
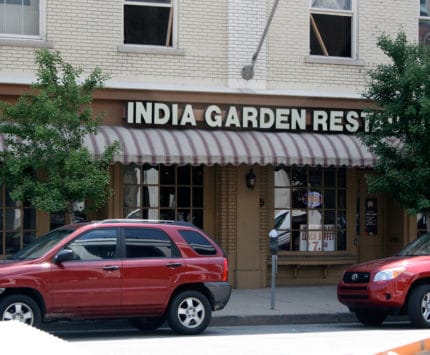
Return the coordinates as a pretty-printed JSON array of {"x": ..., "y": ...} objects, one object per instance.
[
  {"x": 44, "y": 162},
  {"x": 400, "y": 125}
]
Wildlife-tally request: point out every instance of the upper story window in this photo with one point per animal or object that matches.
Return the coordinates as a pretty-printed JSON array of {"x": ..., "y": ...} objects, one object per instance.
[
  {"x": 20, "y": 18},
  {"x": 149, "y": 22},
  {"x": 332, "y": 28},
  {"x": 424, "y": 22}
]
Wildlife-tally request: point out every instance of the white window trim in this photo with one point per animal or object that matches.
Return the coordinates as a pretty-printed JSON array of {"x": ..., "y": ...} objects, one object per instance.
[
  {"x": 353, "y": 13},
  {"x": 151, "y": 48},
  {"x": 39, "y": 41}
]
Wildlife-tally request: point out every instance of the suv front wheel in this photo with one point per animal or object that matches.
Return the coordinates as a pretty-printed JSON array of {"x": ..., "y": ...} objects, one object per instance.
[
  {"x": 419, "y": 307},
  {"x": 370, "y": 317},
  {"x": 21, "y": 308},
  {"x": 189, "y": 313}
]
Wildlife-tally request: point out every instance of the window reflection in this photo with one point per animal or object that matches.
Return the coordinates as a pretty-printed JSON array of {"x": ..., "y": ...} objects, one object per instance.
[
  {"x": 308, "y": 216},
  {"x": 332, "y": 4},
  {"x": 164, "y": 192}
]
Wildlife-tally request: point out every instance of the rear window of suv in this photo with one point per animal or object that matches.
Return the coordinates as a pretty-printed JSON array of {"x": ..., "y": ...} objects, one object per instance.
[{"x": 198, "y": 242}]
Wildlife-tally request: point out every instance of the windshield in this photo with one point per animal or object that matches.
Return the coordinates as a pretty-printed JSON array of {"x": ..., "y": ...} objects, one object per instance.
[
  {"x": 420, "y": 246},
  {"x": 41, "y": 245}
]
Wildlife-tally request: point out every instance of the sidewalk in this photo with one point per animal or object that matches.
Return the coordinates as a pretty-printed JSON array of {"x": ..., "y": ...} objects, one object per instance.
[{"x": 295, "y": 304}]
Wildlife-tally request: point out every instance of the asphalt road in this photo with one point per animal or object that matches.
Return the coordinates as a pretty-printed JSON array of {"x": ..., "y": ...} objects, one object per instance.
[{"x": 333, "y": 339}]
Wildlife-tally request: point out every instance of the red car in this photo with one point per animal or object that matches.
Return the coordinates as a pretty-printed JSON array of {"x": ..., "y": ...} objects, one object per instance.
[
  {"x": 395, "y": 285},
  {"x": 148, "y": 272}
]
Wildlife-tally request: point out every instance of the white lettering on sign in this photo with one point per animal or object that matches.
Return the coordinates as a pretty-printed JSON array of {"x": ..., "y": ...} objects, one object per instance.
[
  {"x": 232, "y": 119},
  {"x": 246, "y": 117},
  {"x": 320, "y": 119}
]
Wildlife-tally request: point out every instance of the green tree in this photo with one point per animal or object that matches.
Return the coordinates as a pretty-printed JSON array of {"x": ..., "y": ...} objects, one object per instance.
[
  {"x": 400, "y": 123},
  {"x": 44, "y": 162}
]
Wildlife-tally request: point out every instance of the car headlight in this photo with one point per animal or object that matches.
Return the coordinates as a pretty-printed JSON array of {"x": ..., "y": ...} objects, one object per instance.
[{"x": 388, "y": 274}]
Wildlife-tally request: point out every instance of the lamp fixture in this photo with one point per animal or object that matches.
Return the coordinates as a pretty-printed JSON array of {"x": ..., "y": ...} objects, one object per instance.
[{"x": 250, "y": 180}]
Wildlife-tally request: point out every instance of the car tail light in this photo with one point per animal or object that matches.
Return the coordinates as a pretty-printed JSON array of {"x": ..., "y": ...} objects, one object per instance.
[{"x": 225, "y": 270}]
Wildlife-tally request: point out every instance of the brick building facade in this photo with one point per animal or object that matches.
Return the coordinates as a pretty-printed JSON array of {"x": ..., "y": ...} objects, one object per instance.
[{"x": 195, "y": 61}]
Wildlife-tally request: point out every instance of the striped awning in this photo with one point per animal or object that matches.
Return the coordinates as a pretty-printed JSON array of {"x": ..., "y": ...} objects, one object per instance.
[{"x": 223, "y": 147}]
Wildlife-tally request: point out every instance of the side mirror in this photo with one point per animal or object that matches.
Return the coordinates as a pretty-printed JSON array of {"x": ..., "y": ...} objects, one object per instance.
[{"x": 64, "y": 255}]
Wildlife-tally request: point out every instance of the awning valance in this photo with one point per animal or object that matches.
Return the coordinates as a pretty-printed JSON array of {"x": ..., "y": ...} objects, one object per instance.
[{"x": 223, "y": 147}]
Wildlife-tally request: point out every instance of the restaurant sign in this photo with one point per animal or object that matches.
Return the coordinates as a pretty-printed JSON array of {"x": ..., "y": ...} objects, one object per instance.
[{"x": 160, "y": 114}]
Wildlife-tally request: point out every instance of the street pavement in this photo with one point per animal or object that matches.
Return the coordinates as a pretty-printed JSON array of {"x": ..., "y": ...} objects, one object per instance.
[{"x": 291, "y": 305}]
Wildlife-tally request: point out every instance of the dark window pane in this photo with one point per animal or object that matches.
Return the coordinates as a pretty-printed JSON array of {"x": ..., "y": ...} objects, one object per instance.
[
  {"x": 341, "y": 177},
  {"x": 29, "y": 218},
  {"x": 336, "y": 35},
  {"x": 167, "y": 175},
  {"x": 330, "y": 217},
  {"x": 167, "y": 197},
  {"x": 184, "y": 175},
  {"x": 341, "y": 198},
  {"x": 299, "y": 198},
  {"x": 197, "y": 219},
  {"x": 198, "y": 242},
  {"x": 330, "y": 177},
  {"x": 146, "y": 24},
  {"x": 198, "y": 175},
  {"x": 330, "y": 198},
  {"x": 298, "y": 177},
  {"x": 184, "y": 197},
  {"x": 167, "y": 214},
  {"x": 315, "y": 177},
  {"x": 197, "y": 197}
]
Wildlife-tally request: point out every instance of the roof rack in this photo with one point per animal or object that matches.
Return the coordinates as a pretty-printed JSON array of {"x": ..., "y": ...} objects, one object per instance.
[{"x": 134, "y": 220}]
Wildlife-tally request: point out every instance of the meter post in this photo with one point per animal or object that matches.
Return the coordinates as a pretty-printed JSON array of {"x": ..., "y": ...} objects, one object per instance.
[{"x": 274, "y": 247}]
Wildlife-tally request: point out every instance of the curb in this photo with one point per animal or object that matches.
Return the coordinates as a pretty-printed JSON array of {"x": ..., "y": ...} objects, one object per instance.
[{"x": 221, "y": 321}]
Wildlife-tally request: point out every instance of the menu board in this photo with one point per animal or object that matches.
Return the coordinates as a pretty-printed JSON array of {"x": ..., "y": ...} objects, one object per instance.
[{"x": 371, "y": 216}]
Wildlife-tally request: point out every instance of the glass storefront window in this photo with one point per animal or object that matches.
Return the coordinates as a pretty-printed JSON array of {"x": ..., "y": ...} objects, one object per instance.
[
  {"x": 310, "y": 208},
  {"x": 17, "y": 223},
  {"x": 164, "y": 192}
]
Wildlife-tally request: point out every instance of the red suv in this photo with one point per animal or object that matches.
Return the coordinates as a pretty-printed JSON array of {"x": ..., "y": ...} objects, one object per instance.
[
  {"x": 395, "y": 285},
  {"x": 146, "y": 271}
]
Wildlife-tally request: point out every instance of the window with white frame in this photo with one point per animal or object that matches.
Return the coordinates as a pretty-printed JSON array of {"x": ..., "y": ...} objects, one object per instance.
[
  {"x": 149, "y": 22},
  {"x": 20, "y": 18},
  {"x": 424, "y": 22},
  {"x": 332, "y": 28}
]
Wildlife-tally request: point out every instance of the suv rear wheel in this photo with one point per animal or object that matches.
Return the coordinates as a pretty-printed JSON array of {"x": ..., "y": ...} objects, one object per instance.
[
  {"x": 419, "y": 307},
  {"x": 21, "y": 308},
  {"x": 189, "y": 313}
]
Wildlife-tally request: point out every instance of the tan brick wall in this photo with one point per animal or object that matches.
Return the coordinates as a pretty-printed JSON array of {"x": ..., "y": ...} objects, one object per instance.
[
  {"x": 227, "y": 215},
  {"x": 214, "y": 46}
]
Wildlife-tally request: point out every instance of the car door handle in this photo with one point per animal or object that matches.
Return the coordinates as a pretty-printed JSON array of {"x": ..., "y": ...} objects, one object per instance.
[
  {"x": 111, "y": 268},
  {"x": 174, "y": 265}
]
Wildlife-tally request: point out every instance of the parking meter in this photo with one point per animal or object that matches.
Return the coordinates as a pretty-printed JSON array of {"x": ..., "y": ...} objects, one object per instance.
[{"x": 274, "y": 244}]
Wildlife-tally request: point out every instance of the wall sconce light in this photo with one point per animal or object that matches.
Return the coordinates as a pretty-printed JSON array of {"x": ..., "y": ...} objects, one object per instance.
[{"x": 250, "y": 180}]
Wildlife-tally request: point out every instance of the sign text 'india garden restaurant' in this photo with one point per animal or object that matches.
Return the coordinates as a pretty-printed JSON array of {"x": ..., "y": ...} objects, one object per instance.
[{"x": 142, "y": 113}]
